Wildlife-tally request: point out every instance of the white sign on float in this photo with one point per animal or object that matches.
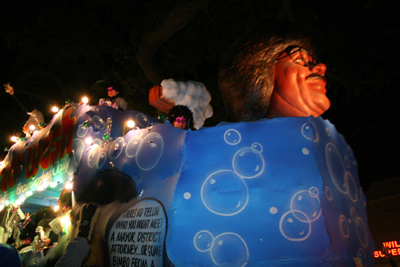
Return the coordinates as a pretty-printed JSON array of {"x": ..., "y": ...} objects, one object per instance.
[{"x": 137, "y": 236}]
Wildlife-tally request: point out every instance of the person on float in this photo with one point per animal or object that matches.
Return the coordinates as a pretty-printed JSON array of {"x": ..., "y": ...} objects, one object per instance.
[
  {"x": 45, "y": 236},
  {"x": 9, "y": 224},
  {"x": 181, "y": 117},
  {"x": 272, "y": 72},
  {"x": 114, "y": 99},
  {"x": 192, "y": 103},
  {"x": 64, "y": 202},
  {"x": 64, "y": 207}
]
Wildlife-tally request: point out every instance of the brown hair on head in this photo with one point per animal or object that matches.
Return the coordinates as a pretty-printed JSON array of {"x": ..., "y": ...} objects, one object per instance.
[{"x": 246, "y": 71}]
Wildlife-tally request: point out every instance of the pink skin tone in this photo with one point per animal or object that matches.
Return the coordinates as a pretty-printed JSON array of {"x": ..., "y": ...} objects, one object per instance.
[
  {"x": 111, "y": 93},
  {"x": 299, "y": 91},
  {"x": 182, "y": 124}
]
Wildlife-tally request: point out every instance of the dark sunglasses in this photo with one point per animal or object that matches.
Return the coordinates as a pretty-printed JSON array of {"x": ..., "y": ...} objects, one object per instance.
[{"x": 299, "y": 56}]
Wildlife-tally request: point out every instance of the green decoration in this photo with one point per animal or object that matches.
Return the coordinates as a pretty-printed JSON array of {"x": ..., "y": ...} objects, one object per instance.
[
  {"x": 162, "y": 117},
  {"x": 106, "y": 137}
]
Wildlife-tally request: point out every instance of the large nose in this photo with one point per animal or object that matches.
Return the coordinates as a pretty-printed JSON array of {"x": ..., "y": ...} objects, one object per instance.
[{"x": 320, "y": 69}]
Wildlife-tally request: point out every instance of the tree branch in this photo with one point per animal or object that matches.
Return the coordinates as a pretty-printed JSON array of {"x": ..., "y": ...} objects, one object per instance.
[{"x": 178, "y": 17}]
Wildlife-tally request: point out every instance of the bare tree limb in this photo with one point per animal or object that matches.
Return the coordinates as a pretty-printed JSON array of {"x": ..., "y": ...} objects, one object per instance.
[
  {"x": 285, "y": 13},
  {"x": 178, "y": 17}
]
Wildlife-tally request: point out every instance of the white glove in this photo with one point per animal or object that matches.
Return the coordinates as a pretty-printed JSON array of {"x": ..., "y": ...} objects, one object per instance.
[
  {"x": 41, "y": 233},
  {"x": 20, "y": 214}
]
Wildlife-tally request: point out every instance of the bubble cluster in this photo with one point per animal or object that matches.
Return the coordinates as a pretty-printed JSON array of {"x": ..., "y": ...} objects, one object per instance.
[
  {"x": 203, "y": 241},
  {"x": 149, "y": 151},
  {"x": 142, "y": 121},
  {"x": 98, "y": 124},
  {"x": 294, "y": 225},
  {"x": 328, "y": 193},
  {"x": 307, "y": 130},
  {"x": 305, "y": 208},
  {"x": 116, "y": 148},
  {"x": 257, "y": 148},
  {"x": 338, "y": 166},
  {"x": 102, "y": 160},
  {"x": 248, "y": 162},
  {"x": 94, "y": 156},
  {"x": 362, "y": 232},
  {"x": 361, "y": 228},
  {"x": 82, "y": 131},
  {"x": 308, "y": 202},
  {"x": 226, "y": 249},
  {"x": 232, "y": 137},
  {"x": 133, "y": 145},
  {"x": 224, "y": 193},
  {"x": 77, "y": 147},
  {"x": 344, "y": 226},
  {"x": 361, "y": 254},
  {"x": 328, "y": 131}
]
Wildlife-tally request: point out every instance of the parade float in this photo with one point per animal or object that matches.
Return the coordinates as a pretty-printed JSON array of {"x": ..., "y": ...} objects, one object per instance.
[
  {"x": 269, "y": 192},
  {"x": 272, "y": 192}
]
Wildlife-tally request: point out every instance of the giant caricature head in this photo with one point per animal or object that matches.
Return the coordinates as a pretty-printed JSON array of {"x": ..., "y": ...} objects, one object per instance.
[{"x": 271, "y": 72}]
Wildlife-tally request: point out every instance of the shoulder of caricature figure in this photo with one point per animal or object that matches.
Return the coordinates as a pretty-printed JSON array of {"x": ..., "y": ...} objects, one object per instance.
[{"x": 168, "y": 123}]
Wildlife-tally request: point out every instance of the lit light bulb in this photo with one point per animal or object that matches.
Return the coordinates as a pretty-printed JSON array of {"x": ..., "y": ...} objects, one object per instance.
[
  {"x": 14, "y": 139},
  {"x": 85, "y": 100},
  {"x": 6, "y": 202},
  {"x": 29, "y": 193},
  {"x": 18, "y": 202},
  {"x": 89, "y": 140},
  {"x": 55, "y": 109},
  {"x": 39, "y": 188},
  {"x": 32, "y": 127},
  {"x": 53, "y": 184},
  {"x": 68, "y": 185},
  {"x": 130, "y": 123},
  {"x": 66, "y": 222},
  {"x": 55, "y": 208}
]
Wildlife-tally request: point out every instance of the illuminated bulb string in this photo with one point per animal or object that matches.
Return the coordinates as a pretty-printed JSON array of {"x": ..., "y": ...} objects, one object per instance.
[{"x": 107, "y": 131}]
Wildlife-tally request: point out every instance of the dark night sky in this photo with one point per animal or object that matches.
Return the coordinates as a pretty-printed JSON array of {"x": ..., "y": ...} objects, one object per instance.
[{"x": 370, "y": 123}]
